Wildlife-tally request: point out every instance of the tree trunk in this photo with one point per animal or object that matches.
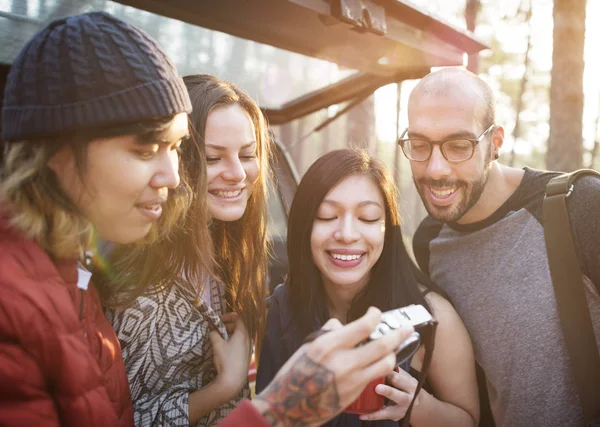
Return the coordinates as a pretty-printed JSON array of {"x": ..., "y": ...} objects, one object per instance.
[
  {"x": 236, "y": 62},
  {"x": 397, "y": 149},
  {"x": 594, "y": 152},
  {"x": 471, "y": 10},
  {"x": 565, "y": 142},
  {"x": 361, "y": 125},
  {"x": 326, "y": 136},
  {"x": 517, "y": 129}
]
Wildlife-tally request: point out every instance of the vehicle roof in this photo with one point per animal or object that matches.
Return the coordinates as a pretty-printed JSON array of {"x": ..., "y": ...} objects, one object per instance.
[
  {"x": 412, "y": 38},
  {"x": 346, "y": 32},
  {"x": 382, "y": 41}
]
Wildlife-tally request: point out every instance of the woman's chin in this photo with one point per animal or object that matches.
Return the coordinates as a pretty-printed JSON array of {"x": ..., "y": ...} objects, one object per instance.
[
  {"x": 347, "y": 281},
  {"x": 130, "y": 235},
  {"x": 227, "y": 215}
]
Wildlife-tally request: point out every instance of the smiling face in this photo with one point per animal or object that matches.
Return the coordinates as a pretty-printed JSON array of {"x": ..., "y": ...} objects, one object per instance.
[
  {"x": 232, "y": 162},
  {"x": 126, "y": 182},
  {"x": 449, "y": 190},
  {"x": 348, "y": 234}
]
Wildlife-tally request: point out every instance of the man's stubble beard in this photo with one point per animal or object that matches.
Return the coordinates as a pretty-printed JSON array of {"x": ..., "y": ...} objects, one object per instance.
[{"x": 452, "y": 214}]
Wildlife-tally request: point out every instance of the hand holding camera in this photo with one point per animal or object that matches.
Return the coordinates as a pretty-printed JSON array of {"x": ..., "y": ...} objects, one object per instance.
[
  {"x": 333, "y": 370},
  {"x": 372, "y": 399},
  {"x": 399, "y": 390}
]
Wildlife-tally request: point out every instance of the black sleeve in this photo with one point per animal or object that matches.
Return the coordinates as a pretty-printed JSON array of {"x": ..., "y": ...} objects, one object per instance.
[
  {"x": 271, "y": 353},
  {"x": 426, "y": 232},
  {"x": 584, "y": 213}
]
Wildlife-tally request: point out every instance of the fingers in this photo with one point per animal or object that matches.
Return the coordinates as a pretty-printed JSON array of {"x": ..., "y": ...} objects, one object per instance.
[
  {"x": 240, "y": 328},
  {"x": 403, "y": 381},
  {"x": 401, "y": 394},
  {"x": 399, "y": 397},
  {"x": 376, "y": 370},
  {"x": 393, "y": 412},
  {"x": 332, "y": 324},
  {"x": 240, "y": 336},
  {"x": 229, "y": 320},
  {"x": 376, "y": 349},
  {"x": 347, "y": 337},
  {"x": 216, "y": 341}
]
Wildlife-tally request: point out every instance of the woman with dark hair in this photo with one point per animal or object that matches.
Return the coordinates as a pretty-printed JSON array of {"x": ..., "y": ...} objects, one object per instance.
[
  {"x": 208, "y": 276},
  {"x": 346, "y": 253}
]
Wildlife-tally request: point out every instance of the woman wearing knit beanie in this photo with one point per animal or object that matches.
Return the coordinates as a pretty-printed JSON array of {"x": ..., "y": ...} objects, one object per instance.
[{"x": 93, "y": 117}]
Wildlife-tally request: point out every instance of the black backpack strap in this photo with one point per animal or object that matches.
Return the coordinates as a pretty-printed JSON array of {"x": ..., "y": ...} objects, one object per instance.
[{"x": 569, "y": 289}]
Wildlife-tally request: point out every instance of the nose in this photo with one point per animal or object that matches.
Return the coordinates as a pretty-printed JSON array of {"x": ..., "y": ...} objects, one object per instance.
[
  {"x": 234, "y": 170},
  {"x": 167, "y": 173},
  {"x": 346, "y": 232},
  {"x": 437, "y": 165}
]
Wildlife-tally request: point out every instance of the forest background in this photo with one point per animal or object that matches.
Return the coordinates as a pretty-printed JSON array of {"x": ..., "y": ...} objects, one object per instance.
[
  {"x": 543, "y": 64},
  {"x": 520, "y": 66}
]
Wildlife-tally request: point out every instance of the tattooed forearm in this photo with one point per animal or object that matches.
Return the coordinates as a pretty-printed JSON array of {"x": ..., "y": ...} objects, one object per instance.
[{"x": 307, "y": 394}]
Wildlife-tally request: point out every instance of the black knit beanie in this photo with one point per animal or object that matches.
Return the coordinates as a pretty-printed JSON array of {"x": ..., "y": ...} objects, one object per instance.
[{"x": 87, "y": 71}]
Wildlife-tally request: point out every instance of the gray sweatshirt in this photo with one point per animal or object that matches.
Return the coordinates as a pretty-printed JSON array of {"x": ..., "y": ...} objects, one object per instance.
[{"x": 496, "y": 273}]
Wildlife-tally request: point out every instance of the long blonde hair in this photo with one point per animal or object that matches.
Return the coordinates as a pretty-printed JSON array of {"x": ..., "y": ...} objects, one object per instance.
[{"x": 38, "y": 205}]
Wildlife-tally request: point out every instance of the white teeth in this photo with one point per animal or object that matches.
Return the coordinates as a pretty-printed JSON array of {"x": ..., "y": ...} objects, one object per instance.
[
  {"x": 346, "y": 257},
  {"x": 227, "y": 194},
  {"x": 443, "y": 193}
]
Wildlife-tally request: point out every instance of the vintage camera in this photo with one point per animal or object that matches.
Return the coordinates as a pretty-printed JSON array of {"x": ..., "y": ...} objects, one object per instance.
[
  {"x": 413, "y": 315},
  {"x": 423, "y": 323}
]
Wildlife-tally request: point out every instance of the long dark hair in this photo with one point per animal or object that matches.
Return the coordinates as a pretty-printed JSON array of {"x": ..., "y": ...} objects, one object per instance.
[
  {"x": 241, "y": 248},
  {"x": 395, "y": 279}
]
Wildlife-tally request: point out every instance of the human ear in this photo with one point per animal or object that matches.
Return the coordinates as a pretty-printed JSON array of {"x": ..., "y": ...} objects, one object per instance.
[
  {"x": 497, "y": 140},
  {"x": 61, "y": 160},
  {"x": 498, "y": 137}
]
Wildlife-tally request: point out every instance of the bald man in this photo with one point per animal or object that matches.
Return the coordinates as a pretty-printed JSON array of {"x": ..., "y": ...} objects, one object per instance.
[{"x": 483, "y": 243}]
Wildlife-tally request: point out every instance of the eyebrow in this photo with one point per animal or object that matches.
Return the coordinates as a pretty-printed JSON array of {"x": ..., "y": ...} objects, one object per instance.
[
  {"x": 221, "y": 148},
  {"x": 158, "y": 138},
  {"x": 455, "y": 135},
  {"x": 361, "y": 204}
]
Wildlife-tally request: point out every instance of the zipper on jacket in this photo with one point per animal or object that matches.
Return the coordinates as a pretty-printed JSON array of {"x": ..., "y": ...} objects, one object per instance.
[{"x": 83, "y": 280}]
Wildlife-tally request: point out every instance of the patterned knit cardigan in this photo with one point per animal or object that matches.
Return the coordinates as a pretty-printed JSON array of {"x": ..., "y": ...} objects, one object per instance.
[{"x": 168, "y": 355}]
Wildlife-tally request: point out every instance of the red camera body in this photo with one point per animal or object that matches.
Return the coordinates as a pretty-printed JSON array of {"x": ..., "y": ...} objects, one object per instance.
[{"x": 368, "y": 401}]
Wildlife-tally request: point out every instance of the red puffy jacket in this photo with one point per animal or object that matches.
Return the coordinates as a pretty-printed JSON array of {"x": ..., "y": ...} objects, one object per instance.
[{"x": 55, "y": 368}]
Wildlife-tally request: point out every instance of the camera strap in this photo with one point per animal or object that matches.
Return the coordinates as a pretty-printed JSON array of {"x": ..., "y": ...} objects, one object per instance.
[{"x": 428, "y": 340}]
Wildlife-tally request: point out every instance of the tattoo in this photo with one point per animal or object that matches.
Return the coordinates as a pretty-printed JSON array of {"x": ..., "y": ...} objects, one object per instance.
[{"x": 307, "y": 394}]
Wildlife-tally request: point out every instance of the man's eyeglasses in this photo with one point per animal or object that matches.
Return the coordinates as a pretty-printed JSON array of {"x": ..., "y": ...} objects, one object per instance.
[{"x": 454, "y": 150}]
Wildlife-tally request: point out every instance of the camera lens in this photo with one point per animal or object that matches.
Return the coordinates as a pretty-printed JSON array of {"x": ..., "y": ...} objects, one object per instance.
[{"x": 408, "y": 348}]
